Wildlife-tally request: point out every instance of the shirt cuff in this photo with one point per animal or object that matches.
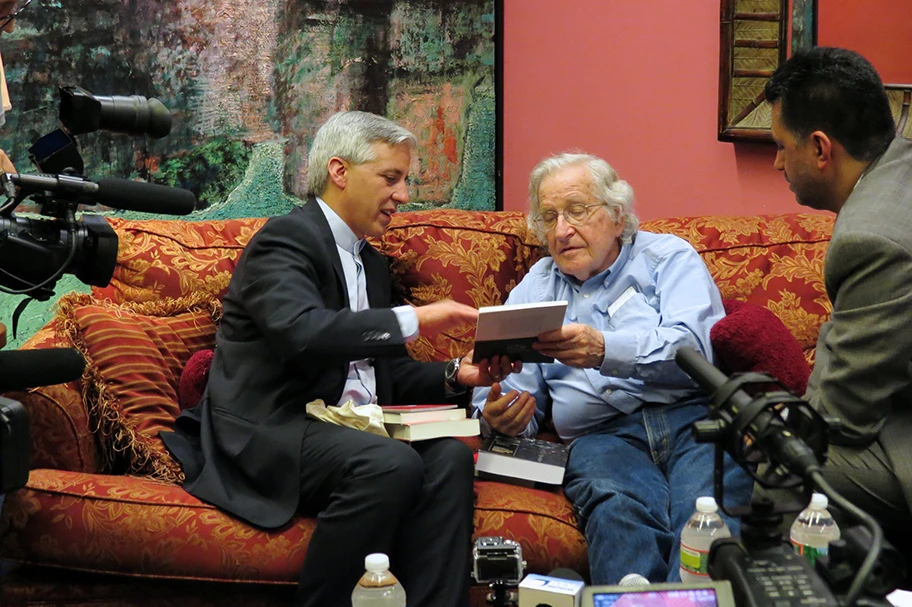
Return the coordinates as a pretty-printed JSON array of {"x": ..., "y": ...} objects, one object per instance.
[
  {"x": 620, "y": 355},
  {"x": 408, "y": 322}
]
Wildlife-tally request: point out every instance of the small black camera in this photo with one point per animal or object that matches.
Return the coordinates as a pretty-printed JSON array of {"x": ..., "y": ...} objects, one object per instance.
[{"x": 497, "y": 560}]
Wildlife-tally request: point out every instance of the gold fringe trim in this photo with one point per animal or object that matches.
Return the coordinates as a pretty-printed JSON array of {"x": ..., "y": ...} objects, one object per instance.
[{"x": 122, "y": 445}]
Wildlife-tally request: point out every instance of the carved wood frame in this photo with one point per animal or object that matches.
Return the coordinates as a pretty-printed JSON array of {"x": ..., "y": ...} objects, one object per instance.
[{"x": 753, "y": 42}]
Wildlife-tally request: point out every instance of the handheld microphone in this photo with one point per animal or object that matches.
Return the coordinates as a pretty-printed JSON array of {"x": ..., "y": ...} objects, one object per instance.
[
  {"x": 118, "y": 193},
  {"x": 633, "y": 579},
  {"x": 751, "y": 421},
  {"x": 21, "y": 369}
]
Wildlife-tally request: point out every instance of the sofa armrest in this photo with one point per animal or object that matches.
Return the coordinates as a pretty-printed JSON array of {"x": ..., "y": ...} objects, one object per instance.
[{"x": 61, "y": 435}]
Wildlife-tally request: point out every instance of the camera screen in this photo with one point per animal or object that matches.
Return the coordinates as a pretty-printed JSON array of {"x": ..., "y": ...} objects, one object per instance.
[{"x": 694, "y": 597}]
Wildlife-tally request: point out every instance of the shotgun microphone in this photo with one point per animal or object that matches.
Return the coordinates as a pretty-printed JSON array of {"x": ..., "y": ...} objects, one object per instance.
[
  {"x": 778, "y": 424},
  {"x": 21, "y": 369}
]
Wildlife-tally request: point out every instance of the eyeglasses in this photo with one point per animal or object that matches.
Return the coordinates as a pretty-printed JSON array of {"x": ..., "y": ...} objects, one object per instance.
[
  {"x": 4, "y": 21},
  {"x": 576, "y": 215}
]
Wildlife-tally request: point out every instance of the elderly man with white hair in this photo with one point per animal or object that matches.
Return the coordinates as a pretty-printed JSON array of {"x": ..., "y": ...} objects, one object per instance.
[{"x": 614, "y": 392}]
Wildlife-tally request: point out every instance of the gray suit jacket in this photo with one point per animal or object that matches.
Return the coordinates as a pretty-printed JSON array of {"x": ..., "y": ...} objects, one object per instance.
[
  {"x": 863, "y": 372},
  {"x": 286, "y": 338}
]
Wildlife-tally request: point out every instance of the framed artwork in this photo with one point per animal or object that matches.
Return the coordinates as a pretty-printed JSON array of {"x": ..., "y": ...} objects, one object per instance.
[
  {"x": 249, "y": 82},
  {"x": 754, "y": 40}
]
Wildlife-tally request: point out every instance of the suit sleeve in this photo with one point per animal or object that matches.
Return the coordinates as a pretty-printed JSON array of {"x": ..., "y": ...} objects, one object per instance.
[
  {"x": 863, "y": 352},
  {"x": 288, "y": 284}
]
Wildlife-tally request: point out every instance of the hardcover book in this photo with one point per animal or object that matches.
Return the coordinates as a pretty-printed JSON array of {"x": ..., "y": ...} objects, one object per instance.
[
  {"x": 512, "y": 329},
  {"x": 526, "y": 459},
  {"x": 403, "y": 414},
  {"x": 415, "y": 431}
]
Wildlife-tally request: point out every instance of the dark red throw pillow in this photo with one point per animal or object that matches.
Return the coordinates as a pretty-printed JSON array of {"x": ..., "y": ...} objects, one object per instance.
[
  {"x": 751, "y": 338},
  {"x": 193, "y": 379}
]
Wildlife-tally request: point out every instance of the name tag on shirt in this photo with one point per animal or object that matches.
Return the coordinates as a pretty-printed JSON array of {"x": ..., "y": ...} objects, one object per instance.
[{"x": 620, "y": 301}]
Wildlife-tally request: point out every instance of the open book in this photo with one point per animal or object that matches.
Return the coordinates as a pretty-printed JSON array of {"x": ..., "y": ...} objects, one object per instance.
[{"x": 511, "y": 329}]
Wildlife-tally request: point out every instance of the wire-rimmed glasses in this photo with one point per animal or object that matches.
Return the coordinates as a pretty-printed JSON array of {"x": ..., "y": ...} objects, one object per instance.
[{"x": 576, "y": 215}]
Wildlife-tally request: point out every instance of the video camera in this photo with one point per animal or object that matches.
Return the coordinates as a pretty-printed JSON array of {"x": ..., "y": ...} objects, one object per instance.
[
  {"x": 788, "y": 439},
  {"x": 36, "y": 252}
]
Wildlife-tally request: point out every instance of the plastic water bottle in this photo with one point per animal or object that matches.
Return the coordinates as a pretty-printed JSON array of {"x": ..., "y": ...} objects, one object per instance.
[
  {"x": 698, "y": 534},
  {"x": 378, "y": 587},
  {"x": 814, "y": 529}
]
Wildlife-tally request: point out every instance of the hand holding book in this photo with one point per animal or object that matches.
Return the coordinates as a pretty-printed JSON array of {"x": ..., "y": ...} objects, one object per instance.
[
  {"x": 579, "y": 346},
  {"x": 486, "y": 372}
]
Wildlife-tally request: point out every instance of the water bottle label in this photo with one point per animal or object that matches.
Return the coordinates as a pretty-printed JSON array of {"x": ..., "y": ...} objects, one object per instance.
[
  {"x": 808, "y": 552},
  {"x": 695, "y": 561}
]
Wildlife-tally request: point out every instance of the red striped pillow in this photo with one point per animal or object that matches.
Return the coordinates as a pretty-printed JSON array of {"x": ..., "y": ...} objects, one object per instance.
[{"x": 135, "y": 353}]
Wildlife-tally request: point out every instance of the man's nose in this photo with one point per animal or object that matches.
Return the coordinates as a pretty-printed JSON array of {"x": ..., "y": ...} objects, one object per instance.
[
  {"x": 779, "y": 163},
  {"x": 563, "y": 228},
  {"x": 401, "y": 193}
]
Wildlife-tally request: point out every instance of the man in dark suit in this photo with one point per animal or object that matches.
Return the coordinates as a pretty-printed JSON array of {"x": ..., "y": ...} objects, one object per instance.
[
  {"x": 832, "y": 123},
  {"x": 307, "y": 316}
]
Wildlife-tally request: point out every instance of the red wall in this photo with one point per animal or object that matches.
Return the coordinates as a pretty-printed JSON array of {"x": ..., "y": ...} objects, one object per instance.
[
  {"x": 871, "y": 27},
  {"x": 635, "y": 82}
]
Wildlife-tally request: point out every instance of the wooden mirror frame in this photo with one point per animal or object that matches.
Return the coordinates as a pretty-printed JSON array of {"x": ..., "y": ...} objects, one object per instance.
[{"x": 753, "y": 42}]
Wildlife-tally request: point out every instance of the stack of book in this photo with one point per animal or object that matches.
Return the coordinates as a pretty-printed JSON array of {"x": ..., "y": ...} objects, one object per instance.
[
  {"x": 522, "y": 461},
  {"x": 423, "y": 422}
]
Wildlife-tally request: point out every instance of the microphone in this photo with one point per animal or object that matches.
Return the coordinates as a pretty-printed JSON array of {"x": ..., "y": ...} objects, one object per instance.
[
  {"x": 779, "y": 439},
  {"x": 633, "y": 579},
  {"x": 118, "y": 193},
  {"x": 145, "y": 197},
  {"x": 21, "y": 369}
]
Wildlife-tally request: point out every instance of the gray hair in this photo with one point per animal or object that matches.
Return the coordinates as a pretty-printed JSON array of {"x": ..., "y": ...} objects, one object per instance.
[
  {"x": 350, "y": 136},
  {"x": 615, "y": 193}
]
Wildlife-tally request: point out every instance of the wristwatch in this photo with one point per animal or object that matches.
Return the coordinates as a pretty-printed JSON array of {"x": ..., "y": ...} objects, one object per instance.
[{"x": 450, "y": 375}]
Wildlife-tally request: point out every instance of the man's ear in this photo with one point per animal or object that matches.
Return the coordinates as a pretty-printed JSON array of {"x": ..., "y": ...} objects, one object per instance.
[
  {"x": 338, "y": 172},
  {"x": 823, "y": 148}
]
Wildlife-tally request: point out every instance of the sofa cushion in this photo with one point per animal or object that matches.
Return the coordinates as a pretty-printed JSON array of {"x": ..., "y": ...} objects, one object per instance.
[
  {"x": 773, "y": 261},
  {"x": 193, "y": 378},
  {"x": 134, "y": 357},
  {"x": 472, "y": 257},
  {"x": 169, "y": 258},
  {"x": 751, "y": 338},
  {"x": 141, "y": 527}
]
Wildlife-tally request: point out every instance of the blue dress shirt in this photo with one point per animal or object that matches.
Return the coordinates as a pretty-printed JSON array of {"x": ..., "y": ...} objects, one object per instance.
[{"x": 656, "y": 297}]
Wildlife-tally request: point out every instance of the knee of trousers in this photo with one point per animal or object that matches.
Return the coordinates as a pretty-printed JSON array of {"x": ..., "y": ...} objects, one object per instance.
[
  {"x": 458, "y": 460},
  {"x": 392, "y": 465},
  {"x": 596, "y": 499}
]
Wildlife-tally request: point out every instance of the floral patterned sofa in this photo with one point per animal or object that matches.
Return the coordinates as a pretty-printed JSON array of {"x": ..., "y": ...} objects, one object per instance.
[{"x": 103, "y": 521}]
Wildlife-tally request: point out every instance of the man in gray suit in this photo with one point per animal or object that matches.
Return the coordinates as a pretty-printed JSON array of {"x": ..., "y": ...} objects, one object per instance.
[
  {"x": 307, "y": 316},
  {"x": 837, "y": 148}
]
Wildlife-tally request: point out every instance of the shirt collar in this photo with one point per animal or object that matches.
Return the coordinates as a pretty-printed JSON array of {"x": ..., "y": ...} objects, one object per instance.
[{"x": 342, "y": 234}]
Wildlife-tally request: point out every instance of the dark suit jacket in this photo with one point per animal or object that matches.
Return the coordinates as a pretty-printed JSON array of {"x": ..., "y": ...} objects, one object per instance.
[
  {"x": 863, "y": 372},
  {"x": 286, "y": 338}
]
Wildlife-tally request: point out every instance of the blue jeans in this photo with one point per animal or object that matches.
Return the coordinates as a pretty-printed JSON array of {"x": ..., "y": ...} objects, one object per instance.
[{"x": 634, "y": 483}]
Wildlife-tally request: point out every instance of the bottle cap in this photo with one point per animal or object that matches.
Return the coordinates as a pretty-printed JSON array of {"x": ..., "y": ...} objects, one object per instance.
[
  {"x": 707, "y": 504},
  {"x": 376, "y": 562},
  {"x": 819, "y": 501}
]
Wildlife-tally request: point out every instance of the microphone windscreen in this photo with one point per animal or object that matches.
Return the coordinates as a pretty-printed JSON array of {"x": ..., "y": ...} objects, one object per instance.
[
  {"x": 145, "y": 197},
  {"x": 21, "y": 369},
  {"x": 633, "y": 579},
  {"x": 566, "y": 574}
]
